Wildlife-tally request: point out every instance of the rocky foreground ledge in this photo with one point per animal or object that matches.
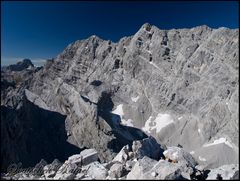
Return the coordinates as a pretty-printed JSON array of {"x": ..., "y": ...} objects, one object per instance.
[{"x": 140, "y": 161}]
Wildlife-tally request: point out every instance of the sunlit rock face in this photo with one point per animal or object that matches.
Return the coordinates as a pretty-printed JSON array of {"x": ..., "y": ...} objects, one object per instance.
[{"x": 179, "y": 86}]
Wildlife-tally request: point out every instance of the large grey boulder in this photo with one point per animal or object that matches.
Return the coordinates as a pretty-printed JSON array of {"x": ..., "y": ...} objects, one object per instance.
[
  {"x": 67, "y": 171},
  {"x": 88, "y": 156},
  {"x": 179, "y": 155},
  {"x": 165, "y": 170},
  {"x": 217, "y": 153},
  {"x": 123, "y": 155},
  {"x": 95, "y": 170},
  {"x": 147, "y": 147},
  {"x": 141, "y": 168},
  {"x": 226, "y": 172},
  {"x": 116, "y": 170}
]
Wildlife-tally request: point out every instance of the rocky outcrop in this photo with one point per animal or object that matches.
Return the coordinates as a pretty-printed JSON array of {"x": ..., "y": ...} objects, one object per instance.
[
  {"x": 147, "y": 147},
  {"x": 32, "y": 133},
  {"x": 179, "y": 86},
  {"x": 143, "y": 168}
]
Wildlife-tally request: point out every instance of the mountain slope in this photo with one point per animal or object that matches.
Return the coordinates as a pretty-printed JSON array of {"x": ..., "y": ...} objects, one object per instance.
[{"x": 179, "y": 85}]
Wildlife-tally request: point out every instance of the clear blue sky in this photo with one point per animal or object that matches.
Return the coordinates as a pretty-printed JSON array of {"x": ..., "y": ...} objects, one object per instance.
[{"x": 40, "y": 30}]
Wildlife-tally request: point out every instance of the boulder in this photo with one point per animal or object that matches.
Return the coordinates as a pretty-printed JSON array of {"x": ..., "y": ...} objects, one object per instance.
[
  {"x": 141, "y": 168},
  {"x": 122, "y": 156},
  {"x": 77, "y": 159},
  {"x": 116, "y": 170},
  {"x": 87, "y": 156},
  {"x": 179, "y": 155},
  {"x": 95, "y": 170},
  {"x": 164, "y": 170},
  {"x": 226, "y": 172},
  {"x": 147, "y": 147},
  {"x": 211, "y": 156},
  {"x": 67, "y": 171}
]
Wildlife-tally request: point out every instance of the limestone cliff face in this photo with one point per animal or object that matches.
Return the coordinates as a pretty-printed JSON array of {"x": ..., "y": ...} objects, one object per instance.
[{"x": 179, "y": 85}]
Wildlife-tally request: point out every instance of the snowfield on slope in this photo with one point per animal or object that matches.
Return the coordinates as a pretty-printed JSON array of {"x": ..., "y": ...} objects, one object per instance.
[{"x": 161, "y": 121}]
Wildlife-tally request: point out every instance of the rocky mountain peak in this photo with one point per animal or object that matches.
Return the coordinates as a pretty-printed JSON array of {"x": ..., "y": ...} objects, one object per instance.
[
  {"x": 179, "y": 86},
  {"x": 21, "y": 65}
]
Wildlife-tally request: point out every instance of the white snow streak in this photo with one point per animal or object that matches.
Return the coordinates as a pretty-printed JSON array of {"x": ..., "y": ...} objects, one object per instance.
[
  {"x": 180, "y": 118},
  {"x": 192, "y": 152},
  {"x": 219, "y": 141},
  {"x": 129, "y": 122}
]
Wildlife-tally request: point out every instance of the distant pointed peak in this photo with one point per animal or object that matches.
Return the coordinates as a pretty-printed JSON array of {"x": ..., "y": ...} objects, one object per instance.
[
  {"x": 21, "y": 65},
  {"x": 94, "y": 37},
  {"x": 146, "y": 26}
]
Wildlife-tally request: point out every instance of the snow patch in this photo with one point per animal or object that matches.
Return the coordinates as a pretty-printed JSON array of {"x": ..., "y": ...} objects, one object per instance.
[
  {"x": 119, "y": 111},
  {"x": 192, "y": 152},
  {"x": 202, "y": 159},
  {"x": 199, "y": 130},
  {"x": 134, "y": 99},
  {"x": 180, "y": 118},
  {"x": 219, "y": 141},
  {"x": 129, "y": 122},
  {"x": 161, "y": 121}
]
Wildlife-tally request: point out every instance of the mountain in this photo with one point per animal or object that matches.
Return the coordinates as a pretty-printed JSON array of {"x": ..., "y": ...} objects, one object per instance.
[{"x": 179, "y": 86}]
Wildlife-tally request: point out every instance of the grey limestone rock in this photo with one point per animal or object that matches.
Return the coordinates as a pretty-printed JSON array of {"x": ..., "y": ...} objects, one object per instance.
[
  {"x": 147, "y": 147},
  {"x": 226, "y": 172},
  {"x": 116, "y": 170},
  {"x": 179, "y": 86},
  {"x": 96, "y": 171},
  {"x": 179, "y": 155},
  {"x": 141, "y": 168}
]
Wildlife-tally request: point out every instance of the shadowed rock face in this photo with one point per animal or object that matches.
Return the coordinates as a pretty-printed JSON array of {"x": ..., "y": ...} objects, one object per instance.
[
  {"x": 179, "y": 86},
  {"x": 31, "y": 134}
]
